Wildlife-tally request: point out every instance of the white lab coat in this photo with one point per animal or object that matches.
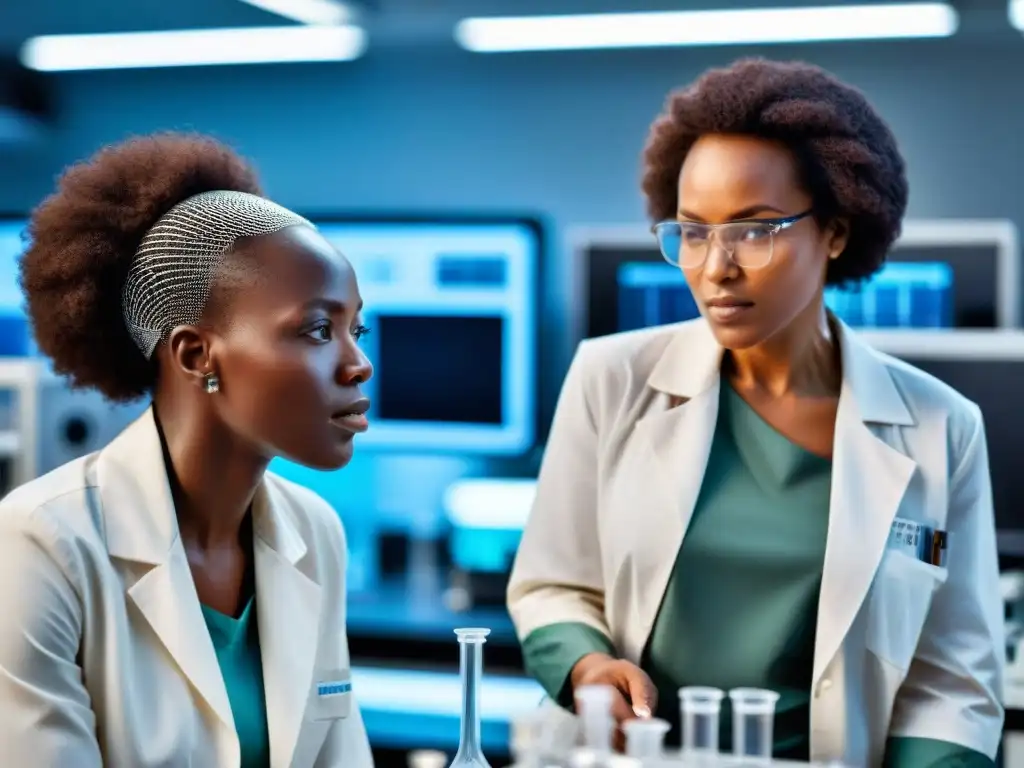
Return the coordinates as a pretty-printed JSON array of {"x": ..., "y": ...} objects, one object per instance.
[
  {"x": 903, "y": 648},
  {"x": 105, "y": 658}
]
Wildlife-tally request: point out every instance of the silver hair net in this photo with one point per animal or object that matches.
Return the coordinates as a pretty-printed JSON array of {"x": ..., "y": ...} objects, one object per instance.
[{"x": 169, "y": 279}]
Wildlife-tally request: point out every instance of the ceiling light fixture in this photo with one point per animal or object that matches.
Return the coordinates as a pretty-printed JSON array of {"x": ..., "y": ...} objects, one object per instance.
[
  {"x": 696, "y": 28},
  {"x": 1016, "y": 12},
  {"x": 193, "y": 47}
]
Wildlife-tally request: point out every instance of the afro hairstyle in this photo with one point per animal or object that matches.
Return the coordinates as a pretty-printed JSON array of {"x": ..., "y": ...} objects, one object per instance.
[
  {"x": 81, "y": 242},
  {"x": 847, "y": 156}
]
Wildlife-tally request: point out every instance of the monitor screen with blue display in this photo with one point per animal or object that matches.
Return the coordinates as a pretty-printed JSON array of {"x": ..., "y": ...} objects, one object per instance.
[
  {"x": 916, "y": 295},
  {"x": 11, "y": 247},
  {"x": 940, "y": 274},
  {"x": 452, "y": 309},
  {"x": 14, "y": 335}
]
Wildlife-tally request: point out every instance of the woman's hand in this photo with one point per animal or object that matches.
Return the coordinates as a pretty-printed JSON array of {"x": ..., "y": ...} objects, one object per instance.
[{"x": 635, "y": 694}]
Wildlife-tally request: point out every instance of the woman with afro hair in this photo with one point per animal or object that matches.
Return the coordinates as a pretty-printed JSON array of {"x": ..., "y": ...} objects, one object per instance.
[
  {"x": 758, "y": 499},
  {"x": 167, "y": 601}
]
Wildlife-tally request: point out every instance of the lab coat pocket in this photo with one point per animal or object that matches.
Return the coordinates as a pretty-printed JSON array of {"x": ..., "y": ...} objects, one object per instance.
[{"x": 898, "y": 607}]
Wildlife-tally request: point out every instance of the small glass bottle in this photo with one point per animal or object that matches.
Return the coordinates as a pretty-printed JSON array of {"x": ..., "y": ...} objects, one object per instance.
[{"x": 471, "y": 663}]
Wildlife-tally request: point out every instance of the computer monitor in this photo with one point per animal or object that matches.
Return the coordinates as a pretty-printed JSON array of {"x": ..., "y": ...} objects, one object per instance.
[
  {"x": 987, "y": 367},
  {"x": 15, "y": 339},
  {"x": 961, "y": 274},
  {"x": 11, "y": 247},
  {"x": 453, "y": 311}
]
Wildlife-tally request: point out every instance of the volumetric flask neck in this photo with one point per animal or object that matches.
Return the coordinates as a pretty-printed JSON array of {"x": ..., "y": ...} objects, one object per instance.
[{"x": 471, "y": 663}]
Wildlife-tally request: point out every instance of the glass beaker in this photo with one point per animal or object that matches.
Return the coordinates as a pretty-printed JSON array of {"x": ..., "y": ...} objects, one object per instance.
[
  {"x": 699, "y": 709},
  {"x": 753, "y": 722},
  {"x": 471, "y": 665},
  {"x": 645, "y": 737}
]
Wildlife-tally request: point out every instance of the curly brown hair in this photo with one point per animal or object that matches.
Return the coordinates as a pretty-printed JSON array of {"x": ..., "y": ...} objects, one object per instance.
[
  {"x": 82, "y": 240},
  {"x": 847, "y": 155}
]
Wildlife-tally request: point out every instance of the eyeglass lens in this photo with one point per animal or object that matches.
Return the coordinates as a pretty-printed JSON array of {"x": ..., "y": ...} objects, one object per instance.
[{"x": 749, "y": 244}]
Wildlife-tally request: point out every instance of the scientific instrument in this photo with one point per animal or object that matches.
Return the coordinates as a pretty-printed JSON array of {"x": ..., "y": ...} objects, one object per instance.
[
  {"x": 645, "y": 737},
  {"x": 753, "y": 722},
  {"x": 700, "y": 708},
  {"x": 594, "y": 706},
  {"x": 471, "y": 667}
]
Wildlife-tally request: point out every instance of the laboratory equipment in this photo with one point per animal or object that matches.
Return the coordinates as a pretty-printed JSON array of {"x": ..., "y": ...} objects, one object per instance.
[
  {"x": 594, "y": 708},
  {"x": 471, "y": 665},
  {"x": 700, "y": 708},
  {"x": 12, "y": 245},
  {"x": 453, "y": 308},
  {"x": 645, "y": 737},
  {"x": 526, "y": 738},
  {"x": 988, "y": 368},
  {"x": 653, "y": 294},
  {"x": 486, "y": 516},
  {"x": 543, "y": 737},
  {"x": 753, "y": 722},
  {"x": 611, "y": 295},
  {"x": 15, "y": 338},
  {"x": 76, "y": 422},
  {"x": 901, "y": 295}
]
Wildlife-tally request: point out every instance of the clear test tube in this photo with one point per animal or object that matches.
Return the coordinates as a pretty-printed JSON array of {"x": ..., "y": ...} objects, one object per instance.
[
  {"x": 645, "y": 737},
  {"x": 753, "y": 722},
  {"x": 700, "y": 708},
  {"x": 594, "y": 705}
]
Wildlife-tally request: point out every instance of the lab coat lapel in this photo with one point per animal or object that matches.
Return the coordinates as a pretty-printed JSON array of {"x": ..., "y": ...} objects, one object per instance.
[
  {"x": 679, "y": 434},
  {"x": 288, "y": 605},
  {"x": 142, "y": 529},
  {"x": 869, "y": 479}
]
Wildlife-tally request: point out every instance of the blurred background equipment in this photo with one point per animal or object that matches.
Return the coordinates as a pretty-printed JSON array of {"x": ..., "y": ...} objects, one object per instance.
[
  {"x": 939, "y": 274},
  {"x": 521, "y": 231},
  {"x": 453, "y": 310}
]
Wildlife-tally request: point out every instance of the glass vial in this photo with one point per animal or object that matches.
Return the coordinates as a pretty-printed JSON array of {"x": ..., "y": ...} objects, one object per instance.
[{"x": 471, "y": 664}]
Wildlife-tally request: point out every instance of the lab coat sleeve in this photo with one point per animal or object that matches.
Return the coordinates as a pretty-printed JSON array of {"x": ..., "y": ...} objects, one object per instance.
[
  {"x": 46, "y": 717},
  {"x": 953, "y": 690},
  {"x": 557, "y": 576}
]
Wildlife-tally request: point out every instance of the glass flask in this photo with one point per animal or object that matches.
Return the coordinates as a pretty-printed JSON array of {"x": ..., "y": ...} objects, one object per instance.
[{"x": 471, "y": 664}]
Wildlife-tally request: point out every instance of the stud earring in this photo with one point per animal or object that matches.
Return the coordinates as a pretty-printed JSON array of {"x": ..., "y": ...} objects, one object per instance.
[{"x": 211, "y": 383}]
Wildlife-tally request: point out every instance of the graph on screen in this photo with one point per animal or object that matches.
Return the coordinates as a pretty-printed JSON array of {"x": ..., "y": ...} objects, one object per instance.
[{"x": 915, "y": 295}]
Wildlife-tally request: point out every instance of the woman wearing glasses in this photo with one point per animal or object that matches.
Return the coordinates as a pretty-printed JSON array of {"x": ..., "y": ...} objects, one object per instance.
[{"x": 757, "y": 498}]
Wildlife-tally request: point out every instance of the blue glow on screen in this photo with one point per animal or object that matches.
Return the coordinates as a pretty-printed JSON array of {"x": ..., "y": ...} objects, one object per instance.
[
  {"x": 11, "y": 247},
  {"x": 912, "y": 295},
  {"x": 15, "y": 338},
  {"x": 653, "y": 294}
]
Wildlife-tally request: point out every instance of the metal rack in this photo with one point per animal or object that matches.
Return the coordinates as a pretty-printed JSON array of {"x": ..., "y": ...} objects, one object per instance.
[{"x": 18, "y": 442}]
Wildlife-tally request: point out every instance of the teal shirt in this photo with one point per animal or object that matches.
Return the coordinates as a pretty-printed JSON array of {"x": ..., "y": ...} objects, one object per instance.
[
  {"x": 747, "y": 577},
  {"x": 740, "y": 608},
  {"x": 237, "y": 644}
]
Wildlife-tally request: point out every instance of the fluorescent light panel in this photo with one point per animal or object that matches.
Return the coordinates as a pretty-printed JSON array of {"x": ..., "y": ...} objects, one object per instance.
[
  {"x": 305, "y": 11},
  {"x": 694, "y": 28},
  {"x": 193, "y": 47},
  {"x": 1017, "y": 14}
]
